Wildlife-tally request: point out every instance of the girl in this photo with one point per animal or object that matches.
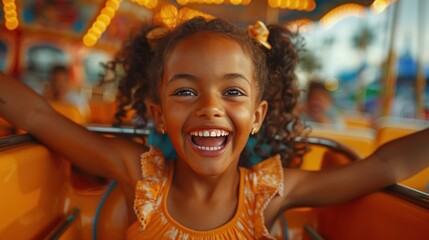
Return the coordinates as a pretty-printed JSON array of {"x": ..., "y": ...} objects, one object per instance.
[{"x": 211, "y": 85}]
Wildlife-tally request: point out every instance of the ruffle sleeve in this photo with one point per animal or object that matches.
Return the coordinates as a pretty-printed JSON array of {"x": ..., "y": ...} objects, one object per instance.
[
  {"x": 267, "y": 182},
  {"x": 148, "y": 190}
]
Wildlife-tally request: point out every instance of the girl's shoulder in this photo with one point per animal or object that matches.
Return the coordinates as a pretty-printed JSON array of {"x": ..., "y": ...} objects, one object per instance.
[
  {"x": 263, "y": 183},
  {"x": 153, "y": 164},
  {"x": 267, "y": 175}
]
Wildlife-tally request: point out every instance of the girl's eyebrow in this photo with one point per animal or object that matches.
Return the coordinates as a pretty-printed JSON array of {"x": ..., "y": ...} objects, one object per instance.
[
  {"x": 181, "y": 76},
  {"x": 193, "y": 78},
  {"x": 236, "y": 75}
]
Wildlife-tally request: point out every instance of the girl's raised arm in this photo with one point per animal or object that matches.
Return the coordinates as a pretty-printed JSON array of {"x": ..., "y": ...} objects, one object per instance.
[
  {"x": 113, "y": 158},
  {"x": 389, "y": 164}
]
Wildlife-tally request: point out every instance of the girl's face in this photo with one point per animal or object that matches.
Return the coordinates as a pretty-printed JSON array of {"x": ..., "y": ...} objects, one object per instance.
[{"x": 209, "y": 102}]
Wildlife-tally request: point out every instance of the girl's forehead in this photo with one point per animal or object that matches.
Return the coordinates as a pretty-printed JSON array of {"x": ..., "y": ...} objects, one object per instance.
[
  {"x": 207, "y": 44},
  {"x": 207, "y": 39},
  {"x": 209, "y": 52}
]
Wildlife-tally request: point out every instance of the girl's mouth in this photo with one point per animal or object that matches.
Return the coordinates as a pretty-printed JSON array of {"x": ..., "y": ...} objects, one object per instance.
[{"x": 209, "y": 139}]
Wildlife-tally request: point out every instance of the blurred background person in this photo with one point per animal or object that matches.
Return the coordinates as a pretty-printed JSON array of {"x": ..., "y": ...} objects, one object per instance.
[
  {"x": 61, "y": 89},
  {"x": 319, "y": 105}
]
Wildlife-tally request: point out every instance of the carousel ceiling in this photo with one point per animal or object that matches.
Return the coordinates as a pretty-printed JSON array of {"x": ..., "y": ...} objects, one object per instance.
[
  {"x": 275, "y": 11},
  {"x": 112, "y": 19}
]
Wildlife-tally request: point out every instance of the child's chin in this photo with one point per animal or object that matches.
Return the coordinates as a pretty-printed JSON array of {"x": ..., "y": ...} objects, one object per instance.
[
  {"x": 210, "y": 170},
  {"x": 212, "y": 167}
]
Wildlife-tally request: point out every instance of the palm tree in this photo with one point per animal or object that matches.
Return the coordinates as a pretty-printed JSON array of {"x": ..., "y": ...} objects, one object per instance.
[{"x": 308, "y": 62}]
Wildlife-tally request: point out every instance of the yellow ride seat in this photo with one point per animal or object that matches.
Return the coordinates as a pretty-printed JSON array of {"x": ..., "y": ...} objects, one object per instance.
[
  {"x": 361, "y": 140},
  {"x": 104, "y": 112},
  {"x": 379, "y": 215},
  {"x": 39, "y": 189},
  {"x": 357, "y": 120},
  {"x": 32, "y": 180}
]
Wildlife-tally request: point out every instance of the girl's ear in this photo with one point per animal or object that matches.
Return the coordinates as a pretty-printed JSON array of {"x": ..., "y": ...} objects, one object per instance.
[
  {"x": 158, "y": 117},
  {"x": 260, "y": 113}
]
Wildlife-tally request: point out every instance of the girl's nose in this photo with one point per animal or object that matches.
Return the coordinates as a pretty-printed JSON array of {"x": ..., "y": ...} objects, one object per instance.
[{"x": 211, "y": 107}]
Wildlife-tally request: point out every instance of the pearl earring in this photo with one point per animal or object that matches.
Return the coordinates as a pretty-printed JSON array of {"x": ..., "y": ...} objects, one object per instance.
[{"x": 253, "y": 131}]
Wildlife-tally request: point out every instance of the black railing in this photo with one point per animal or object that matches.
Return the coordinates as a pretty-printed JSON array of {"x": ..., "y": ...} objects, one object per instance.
[
  {"x": 332, "y": 145},
  {"x": 410, "y": 194},
  {"x": 15, "y": 140}
]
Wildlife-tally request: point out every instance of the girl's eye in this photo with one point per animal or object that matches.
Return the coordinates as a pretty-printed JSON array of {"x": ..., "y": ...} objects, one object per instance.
[
  {"x": 234, "y": 92},
  {"x": 184, "y": 92}
]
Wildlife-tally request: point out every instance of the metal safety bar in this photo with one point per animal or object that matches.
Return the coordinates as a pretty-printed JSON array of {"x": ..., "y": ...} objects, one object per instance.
[
  {"x": 312, "y": 233},
  {"x": 410, "y": 194},
  {"x": 62, "y": 226}
]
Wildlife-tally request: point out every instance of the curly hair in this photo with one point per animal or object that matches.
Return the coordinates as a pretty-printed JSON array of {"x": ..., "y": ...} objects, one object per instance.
[{"x": 143, "y": 64}]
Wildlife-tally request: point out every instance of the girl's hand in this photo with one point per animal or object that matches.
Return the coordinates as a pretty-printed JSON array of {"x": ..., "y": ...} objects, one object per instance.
[{"x": 112, "y": 158}]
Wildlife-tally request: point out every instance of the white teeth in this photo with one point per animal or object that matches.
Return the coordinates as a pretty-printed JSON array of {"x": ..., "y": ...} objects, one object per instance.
[
  {"x": 210, "y": 133},
  {"x": 208, "y": 148}
]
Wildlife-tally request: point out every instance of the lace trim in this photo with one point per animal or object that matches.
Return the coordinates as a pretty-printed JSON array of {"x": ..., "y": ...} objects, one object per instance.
[
  {"x": 154, "y": 173},
  {"x": 268, "y": 180}
]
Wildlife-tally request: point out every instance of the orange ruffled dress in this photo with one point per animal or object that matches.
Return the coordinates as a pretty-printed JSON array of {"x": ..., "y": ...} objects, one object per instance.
[{"x": 258, "y": 186}]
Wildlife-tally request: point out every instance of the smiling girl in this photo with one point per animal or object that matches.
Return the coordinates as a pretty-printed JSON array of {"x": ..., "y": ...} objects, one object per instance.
[{"x": 210, "y": 86}]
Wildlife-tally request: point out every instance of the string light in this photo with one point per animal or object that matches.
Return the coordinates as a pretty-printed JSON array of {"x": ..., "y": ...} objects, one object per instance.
[
  {"x": 340, "y": 12},
  {"x": 102, "y": 21},
  {"x": 170, "y": 16},
  {"x": 332, "y": 84},
  {"x": 300, "y": 5},
  {"x": 233, "y": 2},
  {"x": 10, "y": 14},
  {"x": 105, "y": 17},
  {"x": 379, "y": 6},
  {"x": 167, "y": 15},
  {"x": 147, "y": 3}
]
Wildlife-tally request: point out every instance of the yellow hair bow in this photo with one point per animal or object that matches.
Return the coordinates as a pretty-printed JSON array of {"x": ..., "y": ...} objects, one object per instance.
[
  {"x": 170, "y": 17},
  {"x": 259, "y": 32}
]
